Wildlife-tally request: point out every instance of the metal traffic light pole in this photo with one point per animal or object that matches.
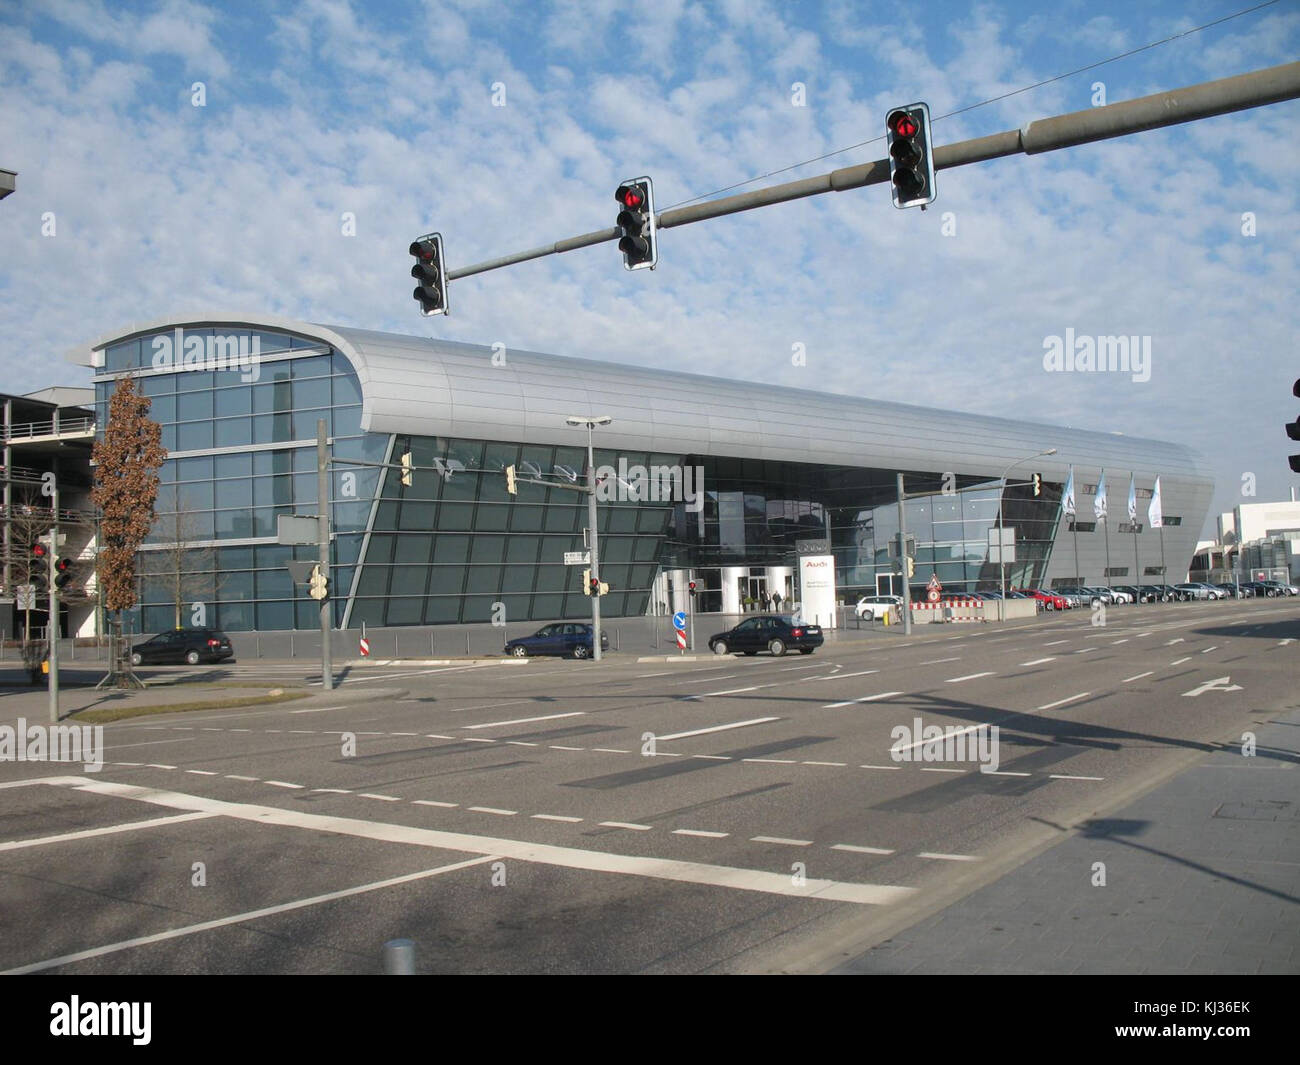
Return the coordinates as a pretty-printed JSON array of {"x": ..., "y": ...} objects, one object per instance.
[
  {"x": 1257, "y": 88},
  {"x": 326, "y": 605},
  {"x": 53, "y": 627}
]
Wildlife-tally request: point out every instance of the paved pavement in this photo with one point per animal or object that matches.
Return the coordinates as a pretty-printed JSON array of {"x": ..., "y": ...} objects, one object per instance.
[{"x": 1201, "y": 876}]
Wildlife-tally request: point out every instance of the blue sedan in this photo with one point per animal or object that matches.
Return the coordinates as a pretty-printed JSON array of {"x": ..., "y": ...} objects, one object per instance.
[{"x": 562, "y": 638}]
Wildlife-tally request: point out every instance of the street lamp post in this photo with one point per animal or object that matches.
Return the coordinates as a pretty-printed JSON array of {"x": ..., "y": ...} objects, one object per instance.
[
  {"x": 1002, "y": 547},
  {"x": 591, "y": 423}
]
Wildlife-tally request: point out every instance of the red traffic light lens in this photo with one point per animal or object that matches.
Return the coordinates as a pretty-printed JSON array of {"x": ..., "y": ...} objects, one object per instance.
[
  {"x": 903, "y": 124},
  {"x": 38, "y": 551},
  {"x": 630, "y": 196}
]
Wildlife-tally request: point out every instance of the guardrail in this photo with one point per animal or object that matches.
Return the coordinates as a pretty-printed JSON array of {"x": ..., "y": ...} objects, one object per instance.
[{"x": 30, "y": 430}]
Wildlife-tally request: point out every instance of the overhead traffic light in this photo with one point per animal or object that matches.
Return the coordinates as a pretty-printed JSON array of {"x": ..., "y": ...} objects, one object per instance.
[
  {"x": 911, "y": 163},
  {"x": 1293, "y": 431},
  {"x": 1037, "y": 481},
  {"x": 511, "y": 487},
  {"x": 636, "y": 223},
  {"x": 63, "y": 572},
  {"x": 430, "y": 274}
]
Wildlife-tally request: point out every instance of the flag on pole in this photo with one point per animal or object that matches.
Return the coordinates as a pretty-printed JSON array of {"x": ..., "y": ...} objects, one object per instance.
[
  {"x": 1132, "y": 499},
  {"x": 1067, "y": 500},
  {"x": 1154, "y": 515},
  {"x": 1099, "y": 506}
]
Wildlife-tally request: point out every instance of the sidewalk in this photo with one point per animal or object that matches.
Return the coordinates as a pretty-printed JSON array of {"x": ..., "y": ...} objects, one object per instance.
[{"x": 1202, "y": 877}]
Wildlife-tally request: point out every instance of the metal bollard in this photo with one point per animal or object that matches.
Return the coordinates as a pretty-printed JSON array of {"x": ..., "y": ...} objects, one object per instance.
[
  {"x": 399, "y": 957},
  {"x": 430, "y": 645},
  {"x": 467, "y": 643}
]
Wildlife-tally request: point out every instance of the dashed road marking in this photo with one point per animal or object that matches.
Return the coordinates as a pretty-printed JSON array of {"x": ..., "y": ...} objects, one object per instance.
[
  {"x": 854, "y": 848},
  {"x": 969, "y": 676},
  {"x": 718, "y": 728},
  {"x": 949, "y": 857},
  {"x": 1067, "y": 699},
  {"x": 781, "y": 840}
]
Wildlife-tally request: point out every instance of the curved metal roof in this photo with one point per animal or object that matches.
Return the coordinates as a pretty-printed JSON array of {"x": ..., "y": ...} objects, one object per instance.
[{"x": 429, "y": 387}]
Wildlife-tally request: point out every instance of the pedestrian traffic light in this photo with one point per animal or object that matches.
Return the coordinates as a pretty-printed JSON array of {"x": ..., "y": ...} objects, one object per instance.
[
  {"x": 1037, "y": 481},
  {"x": 595, "y": 585},
  {"x": 692, "y": 588},
  {"x": 1293, "y": 431},
  {"x": 636, "y": 224},
  {"x": 429, "y": 270},
  {"x": 408, "y": 475},
  {"x": 511, "y": 487},
  {"x": 911, "y": 164},
  {"x": 63, "y": 572}
]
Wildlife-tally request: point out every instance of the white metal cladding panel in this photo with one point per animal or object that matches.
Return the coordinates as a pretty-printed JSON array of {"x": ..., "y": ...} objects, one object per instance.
[{"x": 417, "y": 382}]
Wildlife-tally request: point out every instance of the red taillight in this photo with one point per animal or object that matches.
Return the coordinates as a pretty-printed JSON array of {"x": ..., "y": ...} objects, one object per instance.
[
  {"x": 796, "y": 632},
  {"x": 214, "y": 643}
]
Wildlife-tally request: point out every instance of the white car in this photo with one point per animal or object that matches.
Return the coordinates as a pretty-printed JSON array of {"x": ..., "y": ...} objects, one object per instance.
[
  {"x": 1121, "y": 597},
  {"x": 871, "y": 607}
]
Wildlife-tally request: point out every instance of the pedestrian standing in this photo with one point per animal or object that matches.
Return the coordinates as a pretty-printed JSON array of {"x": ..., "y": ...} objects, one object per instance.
[{"x": 776, "y": 600}]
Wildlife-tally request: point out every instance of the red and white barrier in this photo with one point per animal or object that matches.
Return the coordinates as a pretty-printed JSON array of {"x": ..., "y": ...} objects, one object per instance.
[
  {"x": 365, "y": 647},
  {"x": 969, "y": 610}
]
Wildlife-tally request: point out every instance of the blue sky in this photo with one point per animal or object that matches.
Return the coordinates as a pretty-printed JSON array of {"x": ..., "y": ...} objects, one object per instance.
[{"x": 320, "y": 110}]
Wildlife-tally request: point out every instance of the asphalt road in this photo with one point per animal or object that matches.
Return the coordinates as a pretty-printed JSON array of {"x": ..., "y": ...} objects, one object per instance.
[{"x": 738, "y": 814}]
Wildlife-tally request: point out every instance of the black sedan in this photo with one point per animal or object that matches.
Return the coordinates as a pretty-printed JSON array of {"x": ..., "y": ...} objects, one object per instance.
[
  {"x": 562, "y": 638},
  {"x": 768, "y": 633},
  {"x": 183, "y": 645}
]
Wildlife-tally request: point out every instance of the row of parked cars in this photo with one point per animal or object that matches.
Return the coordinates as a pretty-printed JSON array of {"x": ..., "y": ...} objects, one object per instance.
[{"x": 873, "y": 607}]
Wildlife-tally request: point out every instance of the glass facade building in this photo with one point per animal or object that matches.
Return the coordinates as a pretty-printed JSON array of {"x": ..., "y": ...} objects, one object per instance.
[{"x": 239, "y": 403}]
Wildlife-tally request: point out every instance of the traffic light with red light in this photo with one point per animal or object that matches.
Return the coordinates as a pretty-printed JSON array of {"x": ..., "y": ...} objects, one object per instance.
[
  {"x": 911, "y": 163},
  {"x": 692, "y": 588},
  {"x": 1293, "y": 431},
  {"x": 63, "y": 572},
  {"x": 430, "y": 273},
  {"x": 636, "y": 224},
  {"x": 40, "y": 552}
]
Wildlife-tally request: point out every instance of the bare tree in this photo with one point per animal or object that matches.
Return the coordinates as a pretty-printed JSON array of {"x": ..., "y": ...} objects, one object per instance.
[
  {"x": 189, "y": 573},
  {"x": 127, "y": 459}
]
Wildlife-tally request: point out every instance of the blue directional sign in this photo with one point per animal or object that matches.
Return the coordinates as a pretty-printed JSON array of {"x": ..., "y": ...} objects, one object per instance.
[{"x": 679, "y": 621}]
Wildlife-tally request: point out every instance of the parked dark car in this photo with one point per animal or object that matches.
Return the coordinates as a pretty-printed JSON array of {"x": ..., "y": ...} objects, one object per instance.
[
  {"x": 183, "y": 645},
  {"x": 562, "y": 638},
  {"x": 768, "y": 633}
]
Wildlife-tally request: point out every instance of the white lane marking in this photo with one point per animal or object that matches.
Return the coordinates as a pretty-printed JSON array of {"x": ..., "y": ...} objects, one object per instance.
[
  {"x": 1180, "y": 661},
  {"x": 311, "y": 710},
  {"x": 730, "y": 691},
  {"x": 1125, "y": 640},
  {"x": 788, "y": 669},
  {"x": 840, "y": 764},
  {"x": 1004, "y": 773},
  {"x": 771, "y": 761},
  {"x": 643, "y": 676},
  {"x": 1084, "y": 650},
  {"x": 969, "y": 676},
  {"x": 699, "y": 832},
  {"x": 381, "y": 798},
  {"x": 88, "y": 833},
  {"x": 707, "y": 757},
  {"x": 718, "y": 728},
  {"x": 155, "y": 765},
  {"x": 334, "y": 791},
  {"x": 1212, "y": 647},
  {"x": 843, "y": 676},
  {"x": 1137, "y": 676},
  {"x": 859, "y": 850},
  {"x": 249, "y": 915},
  {"x": 236, "y": 776},
  {"x": 434, "y": 802},
  {"x": 1062, "y": 702},
  {"x": 1053, "y": 643},
  {"x": 1220, "y": 684},
  {"x": 880, "y": 767},
  {"x": 493, "y": 810},
  {"x": 440, "y": 736},
  {"x": 937, "y": 661},
  {"x": 526, "y": 720},
  {"x": 1038, "y": 661},
  {"x": 565, "y": 857},
  {"x": 283, "y": 784},
  {"x": 1066, "y": 776},
  {"x": 522, "y": 743},
  {"x": 935, "y": 769},
  {"x": 864, "y": 699},
  {"x": 203, "y": 772},
  {"x": 557, "y": 747},
  {"x": 781, "y": 840},
  {"x": 626, "y": 824},
  {"x": 708, "y": 680},
  {"x": 949, "y": 857},
  {"x": 1176, "y": 639},
  {"x": 488, "y": 706},
  {"x": 1147, "y": 633},
  {"x": 611, "y": 750},
  {"x": 556, "y": 817}
]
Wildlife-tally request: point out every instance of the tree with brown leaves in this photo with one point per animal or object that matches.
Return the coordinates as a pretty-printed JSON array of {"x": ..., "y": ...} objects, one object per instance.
[{"x": 127, "y": 459}]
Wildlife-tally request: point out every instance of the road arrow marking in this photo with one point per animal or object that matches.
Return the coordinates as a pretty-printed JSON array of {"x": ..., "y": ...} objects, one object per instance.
[{"x": 1219, "y": 684}]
